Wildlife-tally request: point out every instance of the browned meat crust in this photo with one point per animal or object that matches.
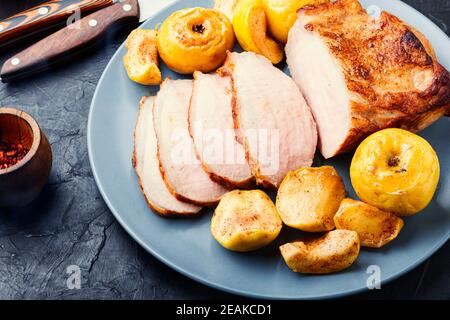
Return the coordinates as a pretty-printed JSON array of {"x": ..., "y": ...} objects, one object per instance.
[{"x": 390, "y": 69}]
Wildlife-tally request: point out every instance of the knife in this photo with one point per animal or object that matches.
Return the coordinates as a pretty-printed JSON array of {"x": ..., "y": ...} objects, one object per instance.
[
  {"x": 72, "y": 38},
  {"x": 45, "y": 16}
]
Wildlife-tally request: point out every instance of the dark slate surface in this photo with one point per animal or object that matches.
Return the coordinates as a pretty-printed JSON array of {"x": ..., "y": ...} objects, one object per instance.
[{"x": 71, "y": 225}]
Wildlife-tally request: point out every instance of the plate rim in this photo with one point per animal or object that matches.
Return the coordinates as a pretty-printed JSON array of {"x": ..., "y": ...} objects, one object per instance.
[{"x": 198, "y": 278}]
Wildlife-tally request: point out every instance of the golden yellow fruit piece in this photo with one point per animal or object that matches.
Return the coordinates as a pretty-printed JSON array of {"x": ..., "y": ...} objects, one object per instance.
[
  {"x": 282, "y": 14},
  {"x": 195, "y": 39},
  {"x": 141, "y": 59},
  {"x": 250, "y": 27},
  {"x": 245, "y": 220},
  {"x": 375, "y": 227},
  {"x": 334, "y": 251},
  {"x": 308, "y": 198},
  {"x": 395, "y": 170}
]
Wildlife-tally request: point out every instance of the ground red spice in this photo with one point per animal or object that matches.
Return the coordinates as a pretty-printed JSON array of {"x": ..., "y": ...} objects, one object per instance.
[{"x": 11, "y": 153}]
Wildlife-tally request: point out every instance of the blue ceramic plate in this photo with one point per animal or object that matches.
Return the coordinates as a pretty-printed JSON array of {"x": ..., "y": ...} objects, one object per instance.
[{"x": 187, "y": 245}]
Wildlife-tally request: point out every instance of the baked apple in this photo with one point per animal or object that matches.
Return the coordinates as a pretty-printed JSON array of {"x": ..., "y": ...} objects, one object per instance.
[
  {"x": 282, "y": 14},
  {"x": 334, "y": 251},
  {"x": 195, "y": 39},
  {"x": 308, "y": 198},
  {"x": 245, "y": 220},
  {"x": 395, "y": 170},
  {"x": 250, "y": 26},
  {"x": 375, "y": 227},
  {"x": 141, "y": 59}
]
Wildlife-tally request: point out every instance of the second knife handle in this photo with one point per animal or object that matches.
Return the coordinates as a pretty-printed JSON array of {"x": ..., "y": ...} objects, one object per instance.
[
  {"x": 46, "y": 15},
  {"x": 68, "y": 40}
]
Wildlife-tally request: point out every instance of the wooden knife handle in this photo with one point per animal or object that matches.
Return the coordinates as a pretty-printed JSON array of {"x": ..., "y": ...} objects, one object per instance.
[
  {"x": 45, "y": 16},
  {"x": 68, "y": 40}
]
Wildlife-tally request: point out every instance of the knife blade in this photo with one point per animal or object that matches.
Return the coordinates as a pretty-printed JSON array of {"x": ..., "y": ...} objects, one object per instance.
[
  {"x": 72, "y": 38},
  {"x": 150, "y": 7},
  {"x": 45, "y": 16}
]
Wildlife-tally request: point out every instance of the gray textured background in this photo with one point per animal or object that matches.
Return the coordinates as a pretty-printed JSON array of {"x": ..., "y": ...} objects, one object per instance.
[{"x": 70, "y": 223}]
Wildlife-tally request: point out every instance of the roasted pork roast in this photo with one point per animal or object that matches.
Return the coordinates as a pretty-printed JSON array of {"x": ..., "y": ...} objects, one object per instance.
[{"x": 360, "y": 74}]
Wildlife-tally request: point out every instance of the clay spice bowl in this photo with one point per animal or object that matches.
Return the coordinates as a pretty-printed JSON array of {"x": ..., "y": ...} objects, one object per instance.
[{"x": 25, "y": 158}]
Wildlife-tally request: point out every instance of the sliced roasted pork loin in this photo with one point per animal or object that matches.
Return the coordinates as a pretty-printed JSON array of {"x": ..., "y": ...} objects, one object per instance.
[
  {"x": 360, "y": 74},
  {"x": 146, "y": 164},
  {"x": 182, "y": 172},
  {"x": 271, "y": 116},
  {"x": 212, "y": 130}
]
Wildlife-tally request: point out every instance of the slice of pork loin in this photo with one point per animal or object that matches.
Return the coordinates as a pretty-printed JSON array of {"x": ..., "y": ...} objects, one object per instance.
[
  {"x": 212, "y": 130},
  {"x": 271, "y": 116},
  {"x": 146, "y": 165},
  {"x": 182, "y": 171},
  {"x": 360, "y": 74}
]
